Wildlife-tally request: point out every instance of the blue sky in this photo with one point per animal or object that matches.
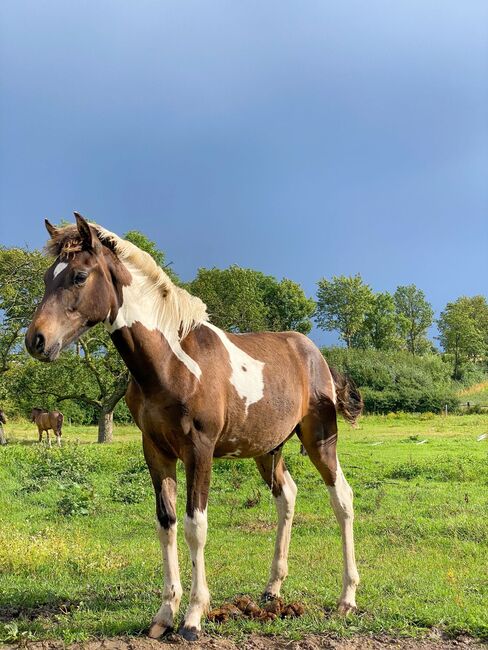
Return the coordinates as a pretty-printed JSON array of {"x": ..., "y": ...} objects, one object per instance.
[{"x": 304, "y": 139}]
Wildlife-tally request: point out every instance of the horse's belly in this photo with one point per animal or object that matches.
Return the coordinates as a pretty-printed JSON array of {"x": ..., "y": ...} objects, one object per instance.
[{"x": 259, "y": 430}]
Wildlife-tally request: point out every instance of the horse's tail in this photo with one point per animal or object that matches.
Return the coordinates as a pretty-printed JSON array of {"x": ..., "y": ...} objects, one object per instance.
[
  {"x": 59, "y": 423},
  {"x": 349, "y": 401}
]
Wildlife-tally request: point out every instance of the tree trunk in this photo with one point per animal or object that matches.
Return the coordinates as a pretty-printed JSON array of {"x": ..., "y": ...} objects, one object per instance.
[
  {"x": 105, "y": 426},
  {"x": 3, "y": 439}
]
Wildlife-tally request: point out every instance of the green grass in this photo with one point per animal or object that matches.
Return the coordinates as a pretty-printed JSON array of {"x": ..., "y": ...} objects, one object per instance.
[{"x": 79, "y": 555}]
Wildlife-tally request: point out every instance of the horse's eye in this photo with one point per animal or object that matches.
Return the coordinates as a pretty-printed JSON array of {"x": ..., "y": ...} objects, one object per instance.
[{"x": 80, "y": 278}]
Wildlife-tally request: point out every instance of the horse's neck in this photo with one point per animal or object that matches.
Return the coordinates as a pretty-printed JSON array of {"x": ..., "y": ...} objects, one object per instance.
[
  {"x": 146, "y": 333},
  {"x": 156, "y": 363}
]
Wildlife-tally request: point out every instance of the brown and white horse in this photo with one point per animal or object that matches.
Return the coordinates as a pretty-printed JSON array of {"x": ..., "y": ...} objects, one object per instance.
[
  {"x": 46, "y": 420},
  {"x": 198, "y": 393}
]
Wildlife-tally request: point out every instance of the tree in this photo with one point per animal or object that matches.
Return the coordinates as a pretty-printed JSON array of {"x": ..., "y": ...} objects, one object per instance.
[
  {"x": 245, "y": 300},
  {"x": 462, "y": 327},
  {"x": 21, "y": 288},
  {"x": 415, "y": 316},
  {"x": 380, "y": 328},
  {"x": 342, "y": 305}
]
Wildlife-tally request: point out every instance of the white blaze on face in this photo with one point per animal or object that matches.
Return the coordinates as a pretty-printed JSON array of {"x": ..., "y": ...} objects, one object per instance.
[
  {"x": 59, "y": 268},
  {"x": 140, "y": 305},
  {"x": 247, "y": 373}
]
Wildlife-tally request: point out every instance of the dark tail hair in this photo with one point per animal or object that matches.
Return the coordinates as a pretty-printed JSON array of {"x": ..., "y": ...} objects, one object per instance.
[
  {"x": 349, "y": 401},
  {"x": 59, "y": 419}
]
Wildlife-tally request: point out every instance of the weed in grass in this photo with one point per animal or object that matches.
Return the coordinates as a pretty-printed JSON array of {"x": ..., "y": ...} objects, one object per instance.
[
  {"x": 76, "y": 500},
  {"x": 134, "y": 484}
]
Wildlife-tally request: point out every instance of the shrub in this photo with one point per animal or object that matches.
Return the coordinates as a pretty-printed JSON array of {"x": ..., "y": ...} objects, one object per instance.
[
  {"x": 396, "y": 381},
  {"x": 134, "y": 483}
]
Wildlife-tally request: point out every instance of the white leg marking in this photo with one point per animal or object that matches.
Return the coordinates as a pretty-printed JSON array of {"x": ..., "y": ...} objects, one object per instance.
[
  {"x": 285, "y": 506},
  {"x": 247, "y": 373},
  {"x": 172, "y": 586},
  {"x": 59, "y": 268},
  {"x": 196, "y": 537},
  {"x": 341, "y": 500}
]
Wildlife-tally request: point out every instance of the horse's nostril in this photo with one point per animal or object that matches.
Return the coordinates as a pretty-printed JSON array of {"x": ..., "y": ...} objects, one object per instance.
[{"x": 39, "y": 343}]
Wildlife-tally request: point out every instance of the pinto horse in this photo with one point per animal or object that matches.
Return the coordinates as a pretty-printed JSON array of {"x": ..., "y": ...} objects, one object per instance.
[
  {"x": 46, "y": 420},
  {"x": 198, "y": 393}
]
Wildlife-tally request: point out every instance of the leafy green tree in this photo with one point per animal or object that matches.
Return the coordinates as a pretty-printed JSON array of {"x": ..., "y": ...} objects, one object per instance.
[
  {"x": 415, "y": 316},
  {"x": 343, "y": 304},
  {"x": 21, "y": 287},
  {"x": 462, "y": 327},
  {"x": 245, "y": 300},
  {"x": 380, "y": 328}
]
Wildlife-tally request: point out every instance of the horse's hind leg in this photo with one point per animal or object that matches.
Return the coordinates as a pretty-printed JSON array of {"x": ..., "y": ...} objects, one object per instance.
[
  {"x": 284, "y": 492},
  {"x": 319, "y": 436},
  {"x": 48, "y": 438}
]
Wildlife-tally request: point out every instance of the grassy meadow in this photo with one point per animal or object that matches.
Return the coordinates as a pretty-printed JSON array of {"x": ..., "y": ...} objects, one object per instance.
[{"x": 79, "y": 555}]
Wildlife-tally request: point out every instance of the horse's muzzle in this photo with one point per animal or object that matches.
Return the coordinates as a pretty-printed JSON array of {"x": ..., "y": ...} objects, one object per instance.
[{"x": 35, "y": 343}]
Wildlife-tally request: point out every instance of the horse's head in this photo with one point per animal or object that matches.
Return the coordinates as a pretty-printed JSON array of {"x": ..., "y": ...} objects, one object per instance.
[
  {"x": 79, "y": 290},
  {"x": 3, "y": 419}
]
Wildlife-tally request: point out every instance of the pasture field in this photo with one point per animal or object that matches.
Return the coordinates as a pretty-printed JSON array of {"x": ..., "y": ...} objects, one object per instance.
[{"x": 79, "y": 557}]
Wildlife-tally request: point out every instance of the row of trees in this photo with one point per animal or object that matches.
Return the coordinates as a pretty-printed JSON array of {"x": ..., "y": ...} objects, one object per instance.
[{"x": 90, "y": 378}]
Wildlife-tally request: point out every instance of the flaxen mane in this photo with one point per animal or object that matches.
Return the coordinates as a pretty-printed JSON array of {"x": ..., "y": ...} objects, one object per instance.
[{"x": 177, "y": 311}]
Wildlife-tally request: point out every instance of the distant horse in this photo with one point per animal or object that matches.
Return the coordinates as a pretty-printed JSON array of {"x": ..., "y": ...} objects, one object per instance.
[
  {"x": 46, "y": 420},
  {"x": 3, "y": 420},
  {"x": 198, "y": 393}
]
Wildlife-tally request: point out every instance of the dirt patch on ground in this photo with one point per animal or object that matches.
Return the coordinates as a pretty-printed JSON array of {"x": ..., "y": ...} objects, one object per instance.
[{"x": 260, "y": 642}]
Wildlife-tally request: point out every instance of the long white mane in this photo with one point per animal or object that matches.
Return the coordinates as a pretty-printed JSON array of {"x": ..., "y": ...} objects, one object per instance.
[{"x": 174, "y": 310}]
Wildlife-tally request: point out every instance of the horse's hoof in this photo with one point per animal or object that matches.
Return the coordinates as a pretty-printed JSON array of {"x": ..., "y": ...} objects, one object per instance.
[
  {"x": 344, "y": 609},
  {"x": 188, "y": 633},
  {"x": 156, "y": 630},
  {"x": 267, "y": 596}
]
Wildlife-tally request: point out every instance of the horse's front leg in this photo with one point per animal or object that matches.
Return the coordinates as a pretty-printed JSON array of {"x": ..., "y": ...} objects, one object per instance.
[
  {"x": 198, "y": 466},
  {"x": 163, "y": 474}
]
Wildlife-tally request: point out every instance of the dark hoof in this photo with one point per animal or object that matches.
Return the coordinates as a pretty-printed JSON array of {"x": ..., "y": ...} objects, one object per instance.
[
  {"x": 267, "y": 596},
  {"x": 188, "y": 633}
]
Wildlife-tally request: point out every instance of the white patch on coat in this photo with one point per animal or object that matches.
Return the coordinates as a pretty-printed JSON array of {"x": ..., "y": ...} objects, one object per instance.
[
  {"x": 247, "y": 373},
  {"x": 233, "y": 454},
  {"x": 141, "y": 305},
  {"x": 59, "y": 268}
]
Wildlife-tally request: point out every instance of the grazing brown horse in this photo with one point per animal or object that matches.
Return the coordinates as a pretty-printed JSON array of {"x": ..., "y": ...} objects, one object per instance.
[
  {"x": 198, "y": 393},
  {"x": 3, "y": 420},
  {"x": 46, "y": 420}
]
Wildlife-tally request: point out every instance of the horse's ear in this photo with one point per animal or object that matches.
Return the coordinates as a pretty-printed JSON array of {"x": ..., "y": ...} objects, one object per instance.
[
  {"x": 52, "y": 230},
  {"x": 86, "y": 233}
]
